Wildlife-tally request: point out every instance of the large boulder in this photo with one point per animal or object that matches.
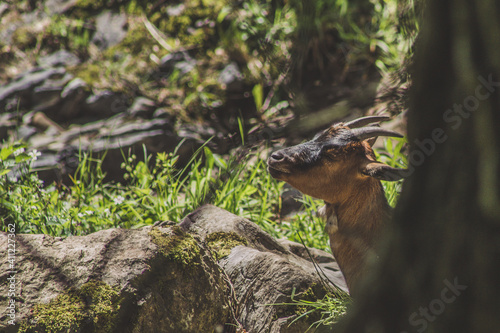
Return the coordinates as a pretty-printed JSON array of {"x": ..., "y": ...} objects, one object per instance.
[
  {"x": 213, "y": 272},
  {"x": 117, "y": 280},
  {"x": 264, "y": 271}
]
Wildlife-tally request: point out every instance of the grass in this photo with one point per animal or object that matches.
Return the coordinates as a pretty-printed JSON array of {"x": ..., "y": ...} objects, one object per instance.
[{"x": 159, "y": 192}]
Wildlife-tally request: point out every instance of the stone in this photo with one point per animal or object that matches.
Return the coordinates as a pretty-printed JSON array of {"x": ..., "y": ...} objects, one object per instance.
[
  {"x": 290, "y": 201},
  {"x": 264, "y": 271},
  {"x": 7, "y": 123},
  {"x": 59, "y": 58},
  {"x": 73, "y": 96},
  {"x": 59, "y": 6},
  {"x": 179, "y": 61},
  {"x": 231, "y": 78},
  {"x": 110, "y": 29},
  {"x": 213, "y": 272},
  {"x": 175, "y": 10},
  {"x": 24, "y": 85},
  {"x": 142, "y": 107},
  {"x": 48, "y": 94},
  {"x": 103, "y": 104},
  {"x": 129, "y": 280},
  {"x": 110, "y": 136}
]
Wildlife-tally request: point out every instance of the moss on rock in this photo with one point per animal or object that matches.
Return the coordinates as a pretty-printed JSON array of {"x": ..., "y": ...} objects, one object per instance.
[
  {"x": 92, "y": 308},
  {"x": 176, "y": 245},
  {"x": 221, "y": 243},
  {"x": 186, "y": 289},
  {"x": 24, "y": 37}
]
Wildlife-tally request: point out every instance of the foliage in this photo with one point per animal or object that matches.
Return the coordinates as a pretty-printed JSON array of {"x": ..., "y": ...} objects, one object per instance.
[
  {"x": 157, "y": 192},
  {"x": 266, "y": 38},
  {"x": 393, "y": 155},
  {"x": 326, "y": 311},
  {"x": 331, "y": 307}
]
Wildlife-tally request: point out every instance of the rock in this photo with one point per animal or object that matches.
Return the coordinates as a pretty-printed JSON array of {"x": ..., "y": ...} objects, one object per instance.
[
  {"x": 3, "y": 7},
  {"x": 24, "y": 85},
  {"x": 231, "y": 78},
  {"x": 43, "y": 123},
  {"x": 51, "y": 90},
  {"x": 59, "y": 58},
  {"x": 110, "y": 29},
  {"x": 179, "y": 61},
  {"x": 24, "y": 132},
  {"x": 144, "y": 280},
  {"x": 48, "y": 94},
  {"x": 104, "y": 104},
  {"x": 59, "y": 6},
  {"x": 214, "y": 272},
  {"x": 290, "y": 201},
  {"x": 175, "y": 10},
  {"x": 111, "y": 136},
  {"x": 73, "y": 97},
  {"x": 142, "y": 107},
  {"x": 263, "y": 271},
  {"x": 8, "y": 123}
]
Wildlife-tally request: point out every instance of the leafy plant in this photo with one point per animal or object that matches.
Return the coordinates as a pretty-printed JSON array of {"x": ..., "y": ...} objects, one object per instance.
[{"x": 393, "y": 155}]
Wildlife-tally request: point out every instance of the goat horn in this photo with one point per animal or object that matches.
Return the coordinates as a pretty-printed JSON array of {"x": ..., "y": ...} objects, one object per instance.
[
  {"x": 360, "y": 122},
  {"x": 372, "y": 131}
]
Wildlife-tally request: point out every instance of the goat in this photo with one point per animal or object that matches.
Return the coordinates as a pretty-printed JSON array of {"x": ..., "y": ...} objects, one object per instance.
[{"x": 338, "y": 166}]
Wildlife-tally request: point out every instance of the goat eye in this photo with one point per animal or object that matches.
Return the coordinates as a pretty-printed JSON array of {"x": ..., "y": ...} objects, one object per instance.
[
  {"x": 331, "y": 148},
  {"x": 330, "y": 153}
]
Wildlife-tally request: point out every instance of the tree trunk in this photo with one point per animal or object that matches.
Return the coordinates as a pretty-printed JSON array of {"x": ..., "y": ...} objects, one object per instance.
[{"x": 440, "y": 264}]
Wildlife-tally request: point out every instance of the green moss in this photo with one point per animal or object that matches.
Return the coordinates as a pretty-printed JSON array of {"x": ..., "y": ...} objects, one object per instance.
[
  {"x": 90, "y": 73},
  {"x": 184, "y": 26},
  {"x": 137, "y": 41},
  {"x": 221, "y": 243},
  {"x": 176, "y": 245},
  {"x": 24, "y": 37},
  {"x": 70, "y": 33},
  {"x": 301, "y": 309},
  {"x": 92, "y": 308},
  {"x": 300, "y": 306},
  {"x": 90, "y": 4}
]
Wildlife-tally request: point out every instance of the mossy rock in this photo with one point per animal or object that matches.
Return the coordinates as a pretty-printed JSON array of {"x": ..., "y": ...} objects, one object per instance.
[
  {"x": 221, "y": 243},
  {"x": 24, "y": 37},
  {"x": 91, "y": 308},
  {"x": 176, "y": 245},
  {"x": 187, "y": 284},
  {"x": 163, "y": 280}
]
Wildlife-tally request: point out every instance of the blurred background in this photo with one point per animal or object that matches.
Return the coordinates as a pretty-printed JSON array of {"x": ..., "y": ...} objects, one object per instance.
[{"x": 110, "y": 75}]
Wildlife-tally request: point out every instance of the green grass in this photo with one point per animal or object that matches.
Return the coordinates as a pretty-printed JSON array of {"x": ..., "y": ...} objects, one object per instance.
[{"x": 159, "y": 192}]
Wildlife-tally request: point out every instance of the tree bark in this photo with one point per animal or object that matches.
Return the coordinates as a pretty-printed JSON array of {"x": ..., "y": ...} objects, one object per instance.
[{"x": 440, "y": 265}]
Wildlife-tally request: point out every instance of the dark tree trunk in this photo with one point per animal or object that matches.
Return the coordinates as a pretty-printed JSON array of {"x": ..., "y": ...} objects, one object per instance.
[{"x": 440, "y": 266}]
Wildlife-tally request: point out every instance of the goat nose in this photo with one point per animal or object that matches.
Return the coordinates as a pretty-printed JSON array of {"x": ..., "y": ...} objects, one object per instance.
[{"x": 277, "y": 156}]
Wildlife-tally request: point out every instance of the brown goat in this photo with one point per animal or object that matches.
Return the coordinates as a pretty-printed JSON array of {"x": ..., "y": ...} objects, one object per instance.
[{"x": 339, "y": 167}]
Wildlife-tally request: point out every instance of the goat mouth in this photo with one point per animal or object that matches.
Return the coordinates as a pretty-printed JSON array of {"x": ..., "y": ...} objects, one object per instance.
[{"x": 274, "y": 171}]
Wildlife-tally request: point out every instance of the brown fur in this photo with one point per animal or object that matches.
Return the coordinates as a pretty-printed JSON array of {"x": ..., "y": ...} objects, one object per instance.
[{"x": 355, "y": 202}]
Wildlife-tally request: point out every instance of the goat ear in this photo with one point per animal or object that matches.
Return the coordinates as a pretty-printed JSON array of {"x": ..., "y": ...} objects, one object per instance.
[{"x": 383, "y": 171}]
